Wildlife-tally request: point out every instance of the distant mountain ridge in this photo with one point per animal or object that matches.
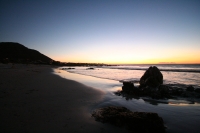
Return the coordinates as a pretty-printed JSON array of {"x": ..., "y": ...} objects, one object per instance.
[{"x": 18, "y": 53}]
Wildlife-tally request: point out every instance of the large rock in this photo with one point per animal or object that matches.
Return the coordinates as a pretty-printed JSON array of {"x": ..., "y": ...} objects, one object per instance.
[
  {"x": 127, "y": 86},
  {"x": 152, "y": 77},
  {"x": 137, "y": 122}
]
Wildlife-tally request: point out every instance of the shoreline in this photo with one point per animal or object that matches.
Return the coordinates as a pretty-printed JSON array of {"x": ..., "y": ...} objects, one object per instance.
[
  {"x": 38, "y": 98},
  {"x": 178, "y": 115},
  {"x": 33, "y": 99}
]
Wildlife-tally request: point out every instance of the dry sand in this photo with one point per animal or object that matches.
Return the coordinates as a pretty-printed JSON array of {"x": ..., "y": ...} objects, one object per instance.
[{"x": 32, "y": 99}]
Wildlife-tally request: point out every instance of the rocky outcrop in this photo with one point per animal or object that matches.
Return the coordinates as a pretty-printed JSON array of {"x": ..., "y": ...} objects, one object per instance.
[
  {"x": 128, "y": 86},
  {"x": 151, "y": 85},
  {"x": 152, "y": 77},
  {"x": 137, "y": 122},
  {"x": 167, "y": 91},
  {"x": 17, "y": 53},
  {"x": 163, "y": 91}
]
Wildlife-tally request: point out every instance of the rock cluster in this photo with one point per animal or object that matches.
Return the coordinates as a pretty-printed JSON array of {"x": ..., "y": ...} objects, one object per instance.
[
  {"x": 163, "y": 91},
  {"x": 137, "y": 122},
  {"x": 151, "y": 84}
]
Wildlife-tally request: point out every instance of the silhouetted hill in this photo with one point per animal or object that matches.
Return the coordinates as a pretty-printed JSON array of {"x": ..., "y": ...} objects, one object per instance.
[{"x": 17, "y": 53}]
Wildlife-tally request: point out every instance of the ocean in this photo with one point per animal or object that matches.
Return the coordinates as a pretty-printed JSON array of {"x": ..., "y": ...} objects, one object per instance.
[
  {"x": 172, "y": 74},
  {"x": 179, "y": 115}
]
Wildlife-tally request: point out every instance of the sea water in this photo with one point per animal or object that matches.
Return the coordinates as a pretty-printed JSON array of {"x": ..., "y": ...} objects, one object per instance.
[
  {"x": 172, "y": 74},
  {"x": 178, "y": 115}
]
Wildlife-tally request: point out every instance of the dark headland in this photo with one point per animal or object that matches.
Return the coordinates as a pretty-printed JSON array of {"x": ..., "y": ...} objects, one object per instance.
[
  {"x": 18, "y": 53},
  {"x": 13, "y": 52}
]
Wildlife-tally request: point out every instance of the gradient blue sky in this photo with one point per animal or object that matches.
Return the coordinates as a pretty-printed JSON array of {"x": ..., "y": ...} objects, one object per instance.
[{"x": 105, "y": 31}]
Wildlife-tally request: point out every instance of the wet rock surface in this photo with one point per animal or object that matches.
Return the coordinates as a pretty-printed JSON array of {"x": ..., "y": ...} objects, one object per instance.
[
  {"x": 137, "y": 122},
  {"x": 152, "y": 77},
  {"x": 128, "y": 86},
  {"x": 164, "y": 91}
]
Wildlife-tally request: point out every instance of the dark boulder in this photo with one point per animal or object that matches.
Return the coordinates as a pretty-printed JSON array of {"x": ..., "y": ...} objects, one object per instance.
[
  {"x": 127, "y": 86},
  {"x": 152, "y": 77},
  {"x": 137, "y": 122}
]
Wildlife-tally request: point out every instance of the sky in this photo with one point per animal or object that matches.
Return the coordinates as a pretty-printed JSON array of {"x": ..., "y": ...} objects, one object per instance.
[{"x": 105, "y": 31}]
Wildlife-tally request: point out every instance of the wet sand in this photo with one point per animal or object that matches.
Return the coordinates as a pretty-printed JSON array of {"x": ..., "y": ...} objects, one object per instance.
[{"x": 32, "y": 99}]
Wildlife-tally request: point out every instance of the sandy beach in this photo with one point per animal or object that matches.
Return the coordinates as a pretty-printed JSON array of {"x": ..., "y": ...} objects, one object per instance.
[{"x": 33, "y": 99}]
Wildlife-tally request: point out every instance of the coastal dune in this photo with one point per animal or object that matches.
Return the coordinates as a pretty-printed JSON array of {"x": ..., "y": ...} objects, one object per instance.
[{"x": 33, "y": 99}]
